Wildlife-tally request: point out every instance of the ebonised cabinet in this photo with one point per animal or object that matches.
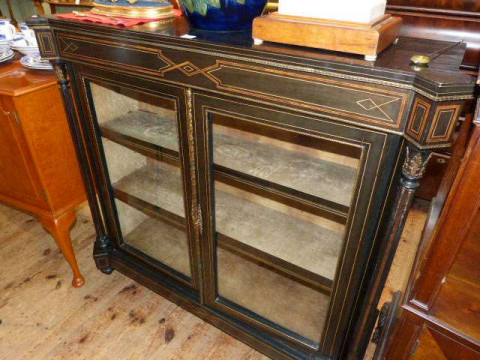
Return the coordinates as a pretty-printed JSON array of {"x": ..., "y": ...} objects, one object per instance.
[{"x": 263, "y": 188}]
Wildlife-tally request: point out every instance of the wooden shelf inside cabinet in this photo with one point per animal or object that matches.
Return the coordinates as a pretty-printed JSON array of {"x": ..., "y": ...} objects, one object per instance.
[
  {"x": 151, "y": 210},
  {"x": 155, "y": 185},
  {"x": 144, "y": 132},
  {"x": 166, "y": 247},
  {"x": 282, "y": 194},
  {"x": 294, "y": 171},
  {"x": 155, "y": 136},
  {"x": 275, "y": 264},
  {"x": 161, "y": 193}
]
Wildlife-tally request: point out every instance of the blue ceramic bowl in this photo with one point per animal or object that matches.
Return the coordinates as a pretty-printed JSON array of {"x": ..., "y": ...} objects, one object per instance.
[{"x": 222, "y": 15}]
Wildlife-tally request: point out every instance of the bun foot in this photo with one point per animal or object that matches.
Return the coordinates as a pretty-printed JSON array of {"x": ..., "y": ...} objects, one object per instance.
[{"x": 107, "y": 270}]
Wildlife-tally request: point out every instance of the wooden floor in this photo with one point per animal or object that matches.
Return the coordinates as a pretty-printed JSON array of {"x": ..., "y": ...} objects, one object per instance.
[{"x": 43, "y": 317}]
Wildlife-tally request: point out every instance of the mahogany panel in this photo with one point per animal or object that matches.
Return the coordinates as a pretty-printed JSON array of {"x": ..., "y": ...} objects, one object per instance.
[
  {"x": 458, "y": 302},
  {"x": 434, "y": 345},
  {"x": 445, "y": 293},
  {"x": 455, "y": 5},
  {"x": 453, "y": 227},
  {"x": 457, "y": 20}
]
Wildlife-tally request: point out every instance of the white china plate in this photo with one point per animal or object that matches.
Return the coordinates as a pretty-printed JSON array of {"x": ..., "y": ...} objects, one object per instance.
[
  {"x": 26, "y": 50},
  {"x": 6, "y": 54},
  {"x": 35, "y": 62}
]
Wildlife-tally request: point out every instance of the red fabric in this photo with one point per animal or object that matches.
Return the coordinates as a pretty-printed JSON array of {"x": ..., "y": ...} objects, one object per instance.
[{"x": 88, "y": 16}]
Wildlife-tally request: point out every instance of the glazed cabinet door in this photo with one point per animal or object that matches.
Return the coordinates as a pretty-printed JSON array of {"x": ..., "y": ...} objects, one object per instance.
[
  {"x": 138, "y": 140},
  {"x": 284, "y": 198}
]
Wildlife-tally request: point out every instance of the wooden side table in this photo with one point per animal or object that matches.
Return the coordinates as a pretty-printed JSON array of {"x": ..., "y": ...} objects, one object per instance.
[{"x": 39, "y": 172}]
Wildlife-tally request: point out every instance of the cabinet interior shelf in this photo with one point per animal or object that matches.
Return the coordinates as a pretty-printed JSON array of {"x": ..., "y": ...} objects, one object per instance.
[
  {"x": 164, "y": 246},
  {"x": 314, "y": 269},
  {"x": 151, "y": 210},
  {"x": 150, "y": 144},
  {"x": 150, "y": 150},
  {"x": 275, "y": 264}
]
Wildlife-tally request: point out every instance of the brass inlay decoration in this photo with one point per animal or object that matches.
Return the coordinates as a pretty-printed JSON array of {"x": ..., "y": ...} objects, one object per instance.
[
  {"x": 418, "y": 119},
  {"x": 59, "y": 73},
  {"x": 415, "y": 164},
  {"x": 352, "y": 76},
  {"x": 376, "y": 99},
  {"x": 369, "y": 105},
  {"x": 196, "y": 209},
  {"x": 72, "y": 46},
  {"x": 335, "y": 85},
  {"x": 69, "y": 46},
  {"x": 452, "y": 112},
  {"x": 46, "y": 45}
]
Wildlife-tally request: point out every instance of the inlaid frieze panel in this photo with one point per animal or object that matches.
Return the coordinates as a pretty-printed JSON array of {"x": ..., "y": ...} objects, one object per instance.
[
  {"x": 343, "y": 100},
  {"x": 46, "y": 45},
  {"x": 431, "y": 124},
  {"x": 443, "y": 123},
  {"x": 418, "y": 119}
]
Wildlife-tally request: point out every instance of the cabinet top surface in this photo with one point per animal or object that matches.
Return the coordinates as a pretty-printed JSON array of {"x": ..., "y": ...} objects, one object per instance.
[
  {"x": 393, "y": 65},
  {"x": 15, "y": 80}
]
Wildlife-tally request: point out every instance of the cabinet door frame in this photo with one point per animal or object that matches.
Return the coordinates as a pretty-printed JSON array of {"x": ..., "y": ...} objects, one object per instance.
[
  {"x": 375, "y": 147},
  {"x": 85, "y": 75}
]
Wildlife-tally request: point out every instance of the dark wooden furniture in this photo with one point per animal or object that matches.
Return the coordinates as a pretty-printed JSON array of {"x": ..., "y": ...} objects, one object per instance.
[
  {"x": 39, "y": 172},
  {"x": 263, "y": 188},
  {"x": 440, "y": 318},
  {"x": 441, "y": 20}
]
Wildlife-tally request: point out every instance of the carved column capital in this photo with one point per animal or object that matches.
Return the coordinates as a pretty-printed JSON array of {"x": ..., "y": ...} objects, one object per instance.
[
  {"x": 60, "y": 72},
  {"x": 414, "y": 166}
]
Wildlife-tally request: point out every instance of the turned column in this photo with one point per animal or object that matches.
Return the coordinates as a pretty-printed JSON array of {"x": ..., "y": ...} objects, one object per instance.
[
  {"x": 413, "y": 169},
  {"x": 76, "y": 117}
]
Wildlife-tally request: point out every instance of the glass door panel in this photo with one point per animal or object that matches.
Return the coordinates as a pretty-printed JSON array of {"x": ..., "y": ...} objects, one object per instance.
[
  {"x": 281, "y": 203},
  {"x": 293, "y": 161},
  {"x": 140, "y": 138},
  {"x": 272, "y": 295}
]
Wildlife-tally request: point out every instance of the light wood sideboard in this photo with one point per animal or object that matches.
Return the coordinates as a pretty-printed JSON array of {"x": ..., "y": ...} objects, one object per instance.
[{"x": 39, "y": 172}]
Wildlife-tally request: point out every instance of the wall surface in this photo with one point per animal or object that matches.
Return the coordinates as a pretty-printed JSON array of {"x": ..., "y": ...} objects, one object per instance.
[{"x": 22, "y": 9}]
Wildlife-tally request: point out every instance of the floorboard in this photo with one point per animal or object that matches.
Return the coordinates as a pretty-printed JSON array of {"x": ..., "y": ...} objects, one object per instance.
[{"x": 43, "y": 317}]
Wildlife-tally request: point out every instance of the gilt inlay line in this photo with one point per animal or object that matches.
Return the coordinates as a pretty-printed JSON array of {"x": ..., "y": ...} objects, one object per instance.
[
  {"x": 369, "y": 105},
  {"x": 69, "y": 46}
]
